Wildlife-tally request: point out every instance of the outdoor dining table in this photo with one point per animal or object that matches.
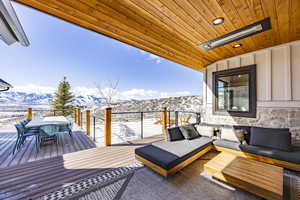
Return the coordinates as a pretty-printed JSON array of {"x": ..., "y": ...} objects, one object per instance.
[
  {"x": 57, "y": 120},
  {"x": 49, "y": 127}
]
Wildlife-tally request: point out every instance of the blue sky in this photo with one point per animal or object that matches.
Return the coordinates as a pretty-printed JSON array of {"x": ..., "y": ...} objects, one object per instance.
[{"x": 61, "y": 49}]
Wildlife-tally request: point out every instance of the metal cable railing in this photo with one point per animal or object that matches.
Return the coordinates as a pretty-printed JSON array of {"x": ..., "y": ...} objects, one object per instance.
[{"x": 125, "y": 126}]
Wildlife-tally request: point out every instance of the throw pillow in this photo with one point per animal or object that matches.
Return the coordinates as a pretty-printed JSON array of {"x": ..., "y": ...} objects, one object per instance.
[
  {"x": 174, "y": 134},
  {"x": 275, "y": 138},
  {"x": 189, "y": 132}
]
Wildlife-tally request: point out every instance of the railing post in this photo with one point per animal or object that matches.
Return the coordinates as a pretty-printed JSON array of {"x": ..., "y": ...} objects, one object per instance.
[
  {"x": 88, "y": 122},
  {"x": 198, "y": 120},
  {"x": 94, "y": 122},
  {"x": 78, "y": 116},
  {"x": 29, "y": 113},
  {"x": 169, "y": 118},
  {"x": 142, "y": 125},
  {"x": 80, "y": 120},
  {"x": 75, "y": 115},
  {"x": 107, "y": 126},
  {"x": 176, "y": 118},
  {"x": 164, "y": 121}
]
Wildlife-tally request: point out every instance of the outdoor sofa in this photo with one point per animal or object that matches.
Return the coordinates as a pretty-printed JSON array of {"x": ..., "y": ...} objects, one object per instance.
[{"x": 186, "y": 144}]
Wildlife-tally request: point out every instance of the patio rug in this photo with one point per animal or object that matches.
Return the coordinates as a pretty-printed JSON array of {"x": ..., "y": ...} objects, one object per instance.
[
  {"x": 107, "y": 185},
  {"x": 291, "y": 185}
]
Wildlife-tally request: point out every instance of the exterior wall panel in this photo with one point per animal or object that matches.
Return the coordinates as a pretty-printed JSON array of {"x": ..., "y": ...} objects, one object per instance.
[{"x": 278, "y": 89}]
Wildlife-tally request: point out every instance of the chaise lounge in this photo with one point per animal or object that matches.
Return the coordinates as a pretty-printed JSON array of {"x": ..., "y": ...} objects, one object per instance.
[{"x": 186, "y": 144}]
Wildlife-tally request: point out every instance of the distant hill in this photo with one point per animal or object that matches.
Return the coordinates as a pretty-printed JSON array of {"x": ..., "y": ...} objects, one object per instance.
[
  {"x": 22, "y": 98},
  {"x": 12, "y": 100}
]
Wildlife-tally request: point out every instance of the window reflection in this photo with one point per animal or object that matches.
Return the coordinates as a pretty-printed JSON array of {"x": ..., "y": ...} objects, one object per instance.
[{"x": 233, "y": 93}]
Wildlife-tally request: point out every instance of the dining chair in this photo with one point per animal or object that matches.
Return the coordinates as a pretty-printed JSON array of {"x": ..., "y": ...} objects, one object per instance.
[
  {"x": 66, "y": 128},
  {"x": 25, "y": 122},
  {"x": 20, "y": 131},
  {"x": 22, "y": 135},
  {"x": 48, "y": 131}
]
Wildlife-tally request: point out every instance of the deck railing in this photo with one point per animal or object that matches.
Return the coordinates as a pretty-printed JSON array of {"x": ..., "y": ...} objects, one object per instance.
[
  {"x": 115, "y": 127},
  {"x": 112, "y": 126}
]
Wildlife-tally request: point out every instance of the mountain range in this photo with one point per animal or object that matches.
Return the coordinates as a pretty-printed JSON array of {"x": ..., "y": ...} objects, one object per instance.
[{"x": 23, "y": 98}]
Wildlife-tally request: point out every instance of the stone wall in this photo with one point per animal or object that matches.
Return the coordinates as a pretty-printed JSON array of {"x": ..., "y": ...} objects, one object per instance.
[
  {"x": 266, "y": 117},
  {"x": 184, "y": 103}
]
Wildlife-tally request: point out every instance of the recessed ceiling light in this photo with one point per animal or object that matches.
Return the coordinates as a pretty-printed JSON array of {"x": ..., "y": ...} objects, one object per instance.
[
  {"x": 218, "y": 21},
  {"x": 236, "y": 45}
]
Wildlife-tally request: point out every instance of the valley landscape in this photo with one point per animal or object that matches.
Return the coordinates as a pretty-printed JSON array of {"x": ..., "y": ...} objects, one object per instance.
[{"x": 14, "y": 105}]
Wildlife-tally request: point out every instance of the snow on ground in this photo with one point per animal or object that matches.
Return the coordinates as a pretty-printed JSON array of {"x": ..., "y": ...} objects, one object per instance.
[
  {"x": 121, "y": 131},
  {"x": 126, "y": 131}
]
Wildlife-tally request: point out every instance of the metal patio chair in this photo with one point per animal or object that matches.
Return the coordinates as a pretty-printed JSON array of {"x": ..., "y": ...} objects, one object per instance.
[
  {"x": 22, "y": 135},
  {"x": 48, "y": 131}
]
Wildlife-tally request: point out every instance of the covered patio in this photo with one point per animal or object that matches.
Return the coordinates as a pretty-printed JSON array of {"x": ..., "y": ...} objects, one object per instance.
[{"x": 248, "y": 52}]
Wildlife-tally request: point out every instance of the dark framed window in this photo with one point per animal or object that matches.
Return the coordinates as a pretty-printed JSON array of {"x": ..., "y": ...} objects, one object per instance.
[{"x": 235, "y": 92}]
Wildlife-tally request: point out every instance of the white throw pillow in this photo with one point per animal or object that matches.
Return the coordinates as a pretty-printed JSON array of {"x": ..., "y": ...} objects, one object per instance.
[
  {"x": 205, "y": 130},
  {"x": 235, "y": 135}
]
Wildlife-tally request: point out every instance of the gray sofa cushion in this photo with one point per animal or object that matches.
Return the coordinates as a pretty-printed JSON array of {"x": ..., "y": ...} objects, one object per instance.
[
  {"x": 292, "y": 157},
  {"x": 183, "y": 147},
  {"x": 169, "y": 154},
  {"x": 158, "y": 156},
  {"x": 174, "y": 134},
  {"x": 189, "y": 132},
  {"x": 227, "y": 144},
  {"x": 279, "y": 139}
]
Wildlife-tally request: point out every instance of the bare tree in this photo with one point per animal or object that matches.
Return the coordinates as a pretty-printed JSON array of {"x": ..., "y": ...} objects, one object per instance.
[{"x": 108, "y": 91}]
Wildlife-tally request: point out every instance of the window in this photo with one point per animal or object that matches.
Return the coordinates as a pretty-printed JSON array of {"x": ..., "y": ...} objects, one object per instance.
[{"x": 235, "y": 92}]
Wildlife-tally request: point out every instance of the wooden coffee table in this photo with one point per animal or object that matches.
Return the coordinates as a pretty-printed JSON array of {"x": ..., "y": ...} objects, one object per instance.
[{"x": 259, "y": 178}]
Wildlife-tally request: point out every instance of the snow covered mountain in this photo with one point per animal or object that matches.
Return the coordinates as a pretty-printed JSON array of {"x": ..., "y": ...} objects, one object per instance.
[{"x": 42, "y": 99}]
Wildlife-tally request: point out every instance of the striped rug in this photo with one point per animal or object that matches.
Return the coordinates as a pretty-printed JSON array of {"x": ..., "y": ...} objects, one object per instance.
[
  {"x": 107, "y": 185},
  {"x": 110, "y": 185}
]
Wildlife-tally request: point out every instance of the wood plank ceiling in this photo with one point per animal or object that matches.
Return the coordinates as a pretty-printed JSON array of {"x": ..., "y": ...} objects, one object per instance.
[{"x": 173, "y": 29}]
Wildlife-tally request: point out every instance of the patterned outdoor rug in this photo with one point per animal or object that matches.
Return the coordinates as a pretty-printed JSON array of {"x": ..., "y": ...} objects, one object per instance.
[
  {"x": 107, "y": 185},
  {"x": 291, "y": 185},
  {"x": 110, "y": 185}
]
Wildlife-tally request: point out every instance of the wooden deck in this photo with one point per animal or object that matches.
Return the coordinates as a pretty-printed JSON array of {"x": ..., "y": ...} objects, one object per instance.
[
  {"x": 32, "y": 179},
  {"x": 28, "y": 152}
]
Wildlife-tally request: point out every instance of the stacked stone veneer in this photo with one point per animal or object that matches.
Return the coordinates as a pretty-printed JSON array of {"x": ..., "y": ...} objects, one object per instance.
[{"x": 266, "y": 117}]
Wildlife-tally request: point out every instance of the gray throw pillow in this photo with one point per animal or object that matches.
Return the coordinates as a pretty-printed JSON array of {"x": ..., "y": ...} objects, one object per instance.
[
  {"x": 174, "y": 134},
  {"x": 274, "y": 138},
  {"x": 189, "y": 132}
]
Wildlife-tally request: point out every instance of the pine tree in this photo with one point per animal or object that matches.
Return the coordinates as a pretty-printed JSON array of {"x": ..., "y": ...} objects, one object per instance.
[{"x": 63, "y": 98}]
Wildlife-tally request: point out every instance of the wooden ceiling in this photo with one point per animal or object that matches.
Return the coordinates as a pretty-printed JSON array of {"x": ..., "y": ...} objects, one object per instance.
[{"x": 173, "y": 29}]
